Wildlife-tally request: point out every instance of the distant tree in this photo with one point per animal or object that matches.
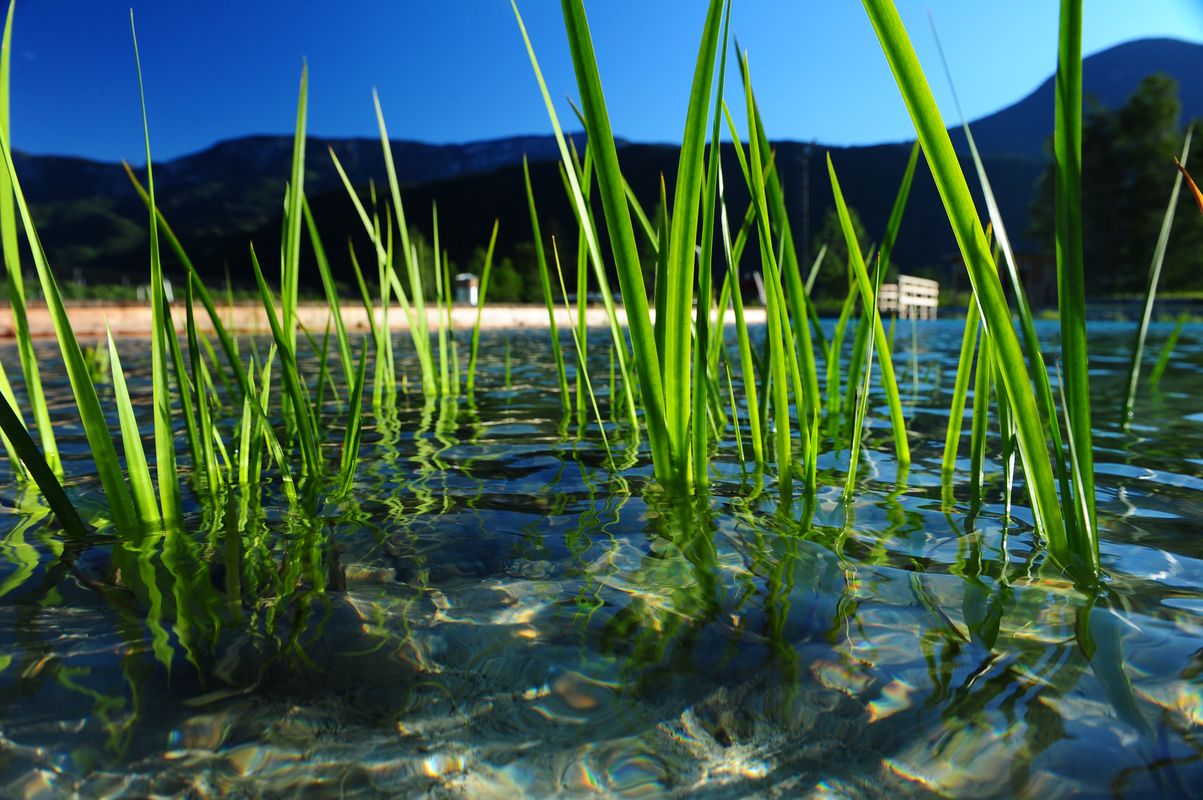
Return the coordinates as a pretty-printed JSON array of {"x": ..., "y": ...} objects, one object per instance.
[
  {"x": 833, "y": 275},
  {"x": 1127, "y": 174}
]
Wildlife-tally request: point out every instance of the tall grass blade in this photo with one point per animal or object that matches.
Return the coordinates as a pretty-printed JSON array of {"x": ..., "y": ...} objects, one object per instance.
[
  {"x": 1163, "y": 239},
  {"x": 982, "y": 381},
  {"x": 703, "y": 379},
  {"x": 618, "y": 221},
  {"x": 1163, "y": 360},
  {"x": 545, "y": 286},
  {"x": 161, "y": 327},
  {"x": 131, "y": 442},
  {"x": 682, "y": 244},
  {"x": 95, "y": 424},
  {"x": 889, "y": 382},
  {"x": 228, "y": 342},
  {"x": 1071, "y": 278},
  {"x": 960, "y": 389},
  {"x": 12, "y": 267},
  {"x": 480, "y": 308},
  {"x": 971, "y": 240}
]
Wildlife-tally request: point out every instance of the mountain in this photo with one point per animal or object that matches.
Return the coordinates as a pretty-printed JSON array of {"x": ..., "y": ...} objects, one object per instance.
[
  {"x": 1108, "y": 78},
  {"x": 93, "y": 225}
]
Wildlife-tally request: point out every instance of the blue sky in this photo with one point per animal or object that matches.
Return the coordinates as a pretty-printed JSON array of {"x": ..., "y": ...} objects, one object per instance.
[{"x": 456, "y": 70}]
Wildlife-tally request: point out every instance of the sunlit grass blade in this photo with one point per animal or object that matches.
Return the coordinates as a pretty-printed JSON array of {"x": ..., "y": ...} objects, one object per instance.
[
  {"x": 16, "y": 282},
  {"x": 703, "y": 380},
  {"x": 871, "y": 312},
  {"x": 95, "y": 424},
  {"x": 1071, "y": 277},
  {"x": 545, "y": 286},
  {"x": 290, "y": 263},
  {"x": 796, "y": 295},
  {"x": 228, "y": 343},
  {"x": 161, "y": 328},
  {"x": 983, "y": 374},
  {"x": 419, "y": 330},
  {"x": 743, "y": 341},
  {"x": 332, "y": 302},
  {"x": 618, "y": 219},
  {"x": 199, "y": 425},
  {"x": 1163, "y": 360},
  {"x": 480, "y": 307},
  {"x": 354, "y": 431},
  {"x": 142, "y": 486},
  {"x": 682, "y": 243},
  {"x": 889, "y": 383},
  {"x": 1039, "y": 372},
  {"x": 960, "y": 389},
  {"x": 1163, "y": 239},
  {"x": 971, "y": 240},
  {"x": 581, "y": 357},
  {"x": 293, "y": 386}
]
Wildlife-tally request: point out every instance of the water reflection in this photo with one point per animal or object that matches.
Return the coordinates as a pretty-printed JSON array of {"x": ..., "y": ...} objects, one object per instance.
[{"x": 491, "y": 608}]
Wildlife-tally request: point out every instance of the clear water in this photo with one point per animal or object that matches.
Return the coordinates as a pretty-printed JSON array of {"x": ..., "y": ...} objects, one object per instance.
[{"x": 518, "y": 622}]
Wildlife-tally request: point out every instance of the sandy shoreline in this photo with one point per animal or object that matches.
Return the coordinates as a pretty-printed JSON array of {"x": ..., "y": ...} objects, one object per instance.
[{"x": 133, "y": 319}]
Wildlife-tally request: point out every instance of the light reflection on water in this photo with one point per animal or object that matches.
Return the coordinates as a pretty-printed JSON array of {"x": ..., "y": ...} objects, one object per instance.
[{"x": 516, "y": 623}]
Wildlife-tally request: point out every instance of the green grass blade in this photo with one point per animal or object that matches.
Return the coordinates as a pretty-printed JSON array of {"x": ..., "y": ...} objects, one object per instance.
[
  {"x": 16, "y": 282},
  {"x": 545, "y": 286},
  {"x": 889, "y": 383},
  {"x": 131, "y": 442},
  {"x": 618, "y": 219},
  {"x": 746, "y": 361},
  {"x": 290, "y": 264},
  {"x": 293, "y": 386},
  {"x": 682, "y": 243},
  {"x": 1163, "y": 360},
  {"x": 871, "y": 312},
  {"x": 703, "y": 379},
  {"x": 323, "y": 267},
  {"x": 228, "y": 343},
  {"x": 419, "y": 330},
  {"x": 960, "y": 389},
  {"x": 92, "y": 416},
  {"x": 1163, "y": 239},
  {"x": 1071, "y": 278},
  {"x": 971, "y": 240},
  {"x": 581, "y": 355},
  {"x": 480, "y": 307},
  {"x": 161, "y": 328},
  {"x": 354, "y": 431},
  {"x": 797, "y": 295},
  {"x": 203, "y": 427},
  {"x": 982, "y": 383}
]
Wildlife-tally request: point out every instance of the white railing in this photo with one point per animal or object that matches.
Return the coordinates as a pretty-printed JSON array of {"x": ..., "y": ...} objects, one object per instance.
[{"x": 910, "y": 298}]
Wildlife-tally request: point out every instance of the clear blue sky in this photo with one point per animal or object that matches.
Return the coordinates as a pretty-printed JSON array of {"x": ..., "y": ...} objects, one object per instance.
[{"x": 455, "y": 70}]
